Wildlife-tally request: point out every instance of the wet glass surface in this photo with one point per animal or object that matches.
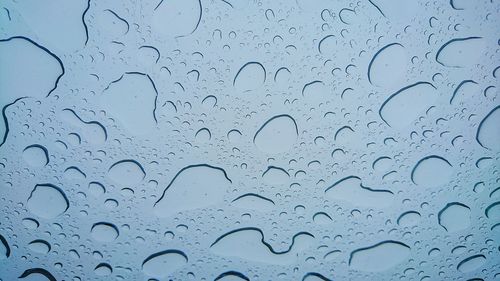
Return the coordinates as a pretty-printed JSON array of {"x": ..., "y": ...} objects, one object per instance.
[{"x": 250, "y": 140}]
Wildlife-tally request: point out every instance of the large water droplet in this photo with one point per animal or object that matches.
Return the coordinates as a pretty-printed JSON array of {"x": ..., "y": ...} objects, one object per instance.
[
  {"x": 454, "y": 217},
  {"x": 277, "y": 135},
  {"x": 36, "y": 155},
  {"x": 351, "y": 190},
  {"x": 250, "y": 76},
  {"x": 161, "y": 264},
  {"x": 404, "y": 106},
  {"x": 379, "y": 257},
  {"x": 193, "y": 187},
  {"x": 104, "y": 232},
  {"x": 47, "y": 201},
  {"x": 432, "y": 171},
  {"x": 126, "y": 172}
]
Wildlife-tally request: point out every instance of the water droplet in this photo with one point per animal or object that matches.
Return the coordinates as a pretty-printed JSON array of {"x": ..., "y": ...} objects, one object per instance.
[
  {"x": 164, "y": 263},
  {"x": 47, "y": 201},
  {"x": 277, "y": 135},
  {"x": 379, "y": 257},
  {"x": 250, "y": 77},
  {"x": 104, "y": 232},
  {"x": 126, "y": 172},
  {"x": 432, "y": 171},
  {"x": 455, "y": 217},
  {"x": 194, "y": 186},
  {"x": 36, "y": 155}
]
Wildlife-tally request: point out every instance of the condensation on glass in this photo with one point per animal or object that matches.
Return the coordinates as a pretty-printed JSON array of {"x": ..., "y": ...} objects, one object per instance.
[{"x": 250, "y": 140}]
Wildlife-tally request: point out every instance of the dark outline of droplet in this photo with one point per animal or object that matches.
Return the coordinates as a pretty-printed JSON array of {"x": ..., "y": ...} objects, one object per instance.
[
  {"x": 188, "y": 167},
  {"x": 41, "y": 271},
  {"x": 455, "y": 138},
  {"x": 32, "y": 220},
  {"x": 309, "y": 84},
  {"x": 245, "y": 65},
  {"x": 76, "y": 168},
  {"x": 170, "y": 102},
  {"x": 446, "y": 207},
  {"x": 204, "y": 129},
  {"x": 6, "y": 245},
  {"x": 118, "y": 43},
  {"x": 120, "y": 18},
  {"x": 84, "y": 23},
  {"x": 342, "y": 128},
  {"x": 426, "y": 158},
  {"x": 251, "y": 194},
  {"x": 89, "y": 122},
  {"x": 322, "y": 213},
  {"x": 388, "y": 139},
  {"x": 344, "y": 91},
  {"x": 346, "y": 9},
  {"x": 197, "y": 24},
  {"x": 161, "y": 253},
  {"x": 103, "y": 264},
  {"x": 275, "y": 167},
  {"x": 150, "y": 80},
  {"x": 335, "y": 150},
  {"x": 494, "y": 190},
  {"x": 430, "y": 20},
  {"x": 154, "y": 48},
  {"x": 351, "y": 255},
  {"x": 56, "y": 188},
  {"x": 180, "y": 85},
  {"x": 106, "y": 224},
  {"x": 458, "y": 88},
  {"x": 406, "y": 213},
  {"x": 232, "y": 272},
  {"x": 487, "y": 210},
  {"x": 265, "y": 13},
  {"x": 486, "y": 89},
  {"x": 476, "y": 184},
  {"x": 319, "y": 47},
  {"x": 99, "y": 184},
  {"x": 378, "y": 159},
  {"x": 388, "y": 174},
  {"x": 209, "y": 96},
  {"x": 449, "y": 42},
  {"x": 42, "y": 242},
  {"x": 8, "y": 13},
  {"x": 360, "y": 184},
  {"x": 469, "y": 259},
  {"x": 481, "y": 124},
  {"x": 5, "y": 119},
  {"x": 274, "y": 117},
  {"x": 317, "y": 275},
  {"x": 45, "y": 151},
  {"x": 494, "y": 71},
  {"x": 78, "y": 136},
  {"x": 231, "y": 5},
  {"x": 495, "y": 226},
  {"x": 375, "y": 56},
  {"x": 453, "y": 6},
  {"x": 371, "y": 2},
  {"x": 45, "y": 50},
  {"x": 279, "y": 69},
  {"x": 262, "y": 238},
  {"x": 399, "y": 92},
  {"x": 197, "y": 74},
  {"x": 331, "y": 252},
  {"x": 158, "y": 5},
  {"x": 130, "y": 160}
]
